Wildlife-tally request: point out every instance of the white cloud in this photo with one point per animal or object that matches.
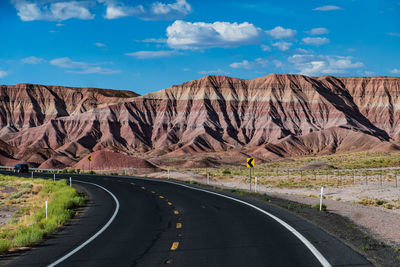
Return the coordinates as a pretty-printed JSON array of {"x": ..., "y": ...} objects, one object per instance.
[
  {"x": 201, "y": 35},
  {"x": 153, "y": 54},
  {"x": 185, "y": 69},
  {"x": 315, "y": 40},
  {"x": 281, "y": 33},
  {"x": 59, "y": 24},
  {"x": 80, "y": 67},
  {"x": 323, "y": 65},
  {"x": 319, "y": 31},
  {"x": 153, "y": 11},
  {"x": 265, "y": 48},
  {"x": 100, "y": 44},
  {"x": 3, "y": 73},
  {"x": 327, "y": 8},
  {"x": 154, "y": 40},
  {"x": 245, "y": 64},
  {"x": 32, "y": 60},
  {"x": 283, "y": 46},
  {"x": 277, "y": 63},
  {"x": 216, "y": 72},
  {"x": 52, "y": 11},
  {"x": 396, "y": 34},
  {"x": 395, "y": 71}
]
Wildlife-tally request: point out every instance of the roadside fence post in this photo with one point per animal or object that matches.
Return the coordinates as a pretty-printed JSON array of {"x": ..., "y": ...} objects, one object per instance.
[
  {"x": 46, "y": 210},
  {"x": 168, "y": 174},
  {"x": 70, "y": 181},
  {"x": 208, "y": 178},
  {"x": 255, "y": 184},
  {"x": 32, "y": 175},
  {"x": 54, "y": 177}
]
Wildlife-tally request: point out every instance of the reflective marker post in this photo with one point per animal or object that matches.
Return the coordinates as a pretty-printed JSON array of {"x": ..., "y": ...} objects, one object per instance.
[
  {"x": 208, "y": 178},
  {"x": 70, "y": 181},
  {"x": 255, "y": 184},
  {"x": 46, "y": 209},
  {"x": 320, "y": 200},
  {"x": 32, "y": 175},
  {"x": 54, "y": 177}
]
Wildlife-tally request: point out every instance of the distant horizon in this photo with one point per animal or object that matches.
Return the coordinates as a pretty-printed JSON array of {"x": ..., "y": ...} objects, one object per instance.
[
  {"x": 132, "y": 90},
  {"x": 154, "y": 44}
]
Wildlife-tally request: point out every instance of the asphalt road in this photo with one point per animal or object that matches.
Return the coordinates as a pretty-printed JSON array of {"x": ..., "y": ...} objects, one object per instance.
[{"x": 155, "y": 223}]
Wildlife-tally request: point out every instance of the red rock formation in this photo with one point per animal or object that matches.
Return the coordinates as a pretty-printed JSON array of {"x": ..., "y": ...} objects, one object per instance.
[{"x": 271, "y": 116}]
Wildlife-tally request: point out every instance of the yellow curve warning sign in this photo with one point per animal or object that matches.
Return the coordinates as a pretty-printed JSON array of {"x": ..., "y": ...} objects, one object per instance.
[{"x": 250, "y": 163}]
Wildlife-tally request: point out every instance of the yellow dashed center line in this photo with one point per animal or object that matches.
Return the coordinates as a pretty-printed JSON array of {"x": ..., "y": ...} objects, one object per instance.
[
  {"x": 176, "y": 212},
  {"x": 174, "y": 245},
  {"x": 132, "y": 183},
  {"x": 153, "y": 192},
  {"x": 178, "y": 226},
  {"x": 161, "y": 197},
  {"x": 169, "y": 203},
  {"x": 143, "y": 187}
]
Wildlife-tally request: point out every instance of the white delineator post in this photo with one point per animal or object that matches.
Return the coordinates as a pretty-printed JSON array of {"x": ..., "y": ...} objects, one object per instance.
[
  {"x": 208, "y": 178},
  {"x": 32, "y": 175},
  {"x": 70, "y": 181},
  {"x": 320, "y": 200},
  {"x": 168, "y": 174},
  {"x": 54, "y": 177},
  {"x": 46, "y": 209},
  {"x": 255, "y": 184}
]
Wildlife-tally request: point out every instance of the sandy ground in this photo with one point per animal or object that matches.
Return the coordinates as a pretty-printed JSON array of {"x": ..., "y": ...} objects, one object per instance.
[{"x": 381, "y": 222}]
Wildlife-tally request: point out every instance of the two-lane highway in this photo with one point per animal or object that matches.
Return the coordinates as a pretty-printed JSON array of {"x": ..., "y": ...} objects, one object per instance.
[{"x": 147, "y": 222}]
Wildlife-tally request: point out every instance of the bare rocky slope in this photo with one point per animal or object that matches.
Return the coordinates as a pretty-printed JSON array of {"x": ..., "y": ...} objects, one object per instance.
[{"x": 271, "y": 116}]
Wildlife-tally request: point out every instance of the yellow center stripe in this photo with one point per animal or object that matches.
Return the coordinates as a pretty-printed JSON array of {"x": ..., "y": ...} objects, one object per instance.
[
  {"x": 161, "y": 197},
  {"x": 169, "y": 203},
  {"x": 174, "y": 245},
  {"x": 178, "y": 226},
  {"x": 176, "y": 212}
]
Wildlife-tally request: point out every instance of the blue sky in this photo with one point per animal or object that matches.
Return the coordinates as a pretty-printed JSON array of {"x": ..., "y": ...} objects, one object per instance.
[{"x": 145, "y": 46}]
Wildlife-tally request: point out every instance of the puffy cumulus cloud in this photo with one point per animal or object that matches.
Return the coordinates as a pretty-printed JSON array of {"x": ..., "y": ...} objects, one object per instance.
[
  {"x": 152, "y": 11},
  {"x": 396, "y": 34},
  {"x": 281, "y": 33},
  {"x": 154, "y": 40},
  {"x": 319, "y": 31},
  {"x": 201, "y": 35},
  {"x": 153, "y": 54},
  {"x": 80, "y": 67},
  {"x": 51, "y": 10},
  {"x": 283, "y": 46},
  {"x": 32, "y": 60},
  {"x": 245, "y": 64},
  {"x": 315, "y": 40},
  {"x": 323, "y": 65},
  {"x": 3, "y": 73},
  {"x": 327, "y": 8}
]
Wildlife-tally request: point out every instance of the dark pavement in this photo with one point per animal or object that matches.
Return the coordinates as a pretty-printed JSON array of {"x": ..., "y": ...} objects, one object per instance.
[{"x": 161, "y": 223}]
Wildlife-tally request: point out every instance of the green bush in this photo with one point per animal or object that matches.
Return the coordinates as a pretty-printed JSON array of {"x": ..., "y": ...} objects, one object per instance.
[
  {"x": 316, "y": 206},
  {"x": 4, "y": 245},
  {"x": 91, "y": 172},
  {"x": 226, "y": 171}
]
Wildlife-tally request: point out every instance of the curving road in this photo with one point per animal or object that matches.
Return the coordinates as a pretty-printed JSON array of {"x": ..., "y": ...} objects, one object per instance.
[{"x": 145, "y": 222}]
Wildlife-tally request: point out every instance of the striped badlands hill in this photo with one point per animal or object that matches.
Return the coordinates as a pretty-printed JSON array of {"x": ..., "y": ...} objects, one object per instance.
[{"x": 271, "y": 116}]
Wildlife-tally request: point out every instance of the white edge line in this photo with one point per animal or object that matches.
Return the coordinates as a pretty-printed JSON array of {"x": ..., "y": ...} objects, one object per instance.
[
  {"x": 96, "y": 234},
  {"x": 307, "y": 243}
]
